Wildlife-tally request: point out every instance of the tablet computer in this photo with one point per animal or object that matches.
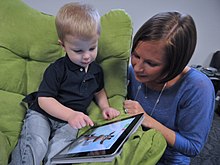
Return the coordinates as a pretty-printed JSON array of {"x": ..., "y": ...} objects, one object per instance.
[{"x": 99, "y": 143}]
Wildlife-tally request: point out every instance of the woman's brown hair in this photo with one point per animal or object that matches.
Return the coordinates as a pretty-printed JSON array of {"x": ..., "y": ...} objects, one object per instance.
[{"x": 178, "y": 32}]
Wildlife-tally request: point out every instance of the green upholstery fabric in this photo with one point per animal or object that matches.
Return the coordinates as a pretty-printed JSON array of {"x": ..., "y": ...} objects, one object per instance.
[
  {"x": 29, "y": 43},
  {"x": 142, "y": 148}
]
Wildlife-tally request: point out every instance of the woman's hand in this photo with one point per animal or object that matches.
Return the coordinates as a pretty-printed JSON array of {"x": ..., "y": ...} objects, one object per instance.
[{"x": 133, "y": 107}]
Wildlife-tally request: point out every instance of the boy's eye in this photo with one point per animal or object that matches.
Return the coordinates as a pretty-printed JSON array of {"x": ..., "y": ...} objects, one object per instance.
[
  {"x": 93, "y": 48},
  {"x": 78, "y": 51},
  {"x": 81, "y": 51}
]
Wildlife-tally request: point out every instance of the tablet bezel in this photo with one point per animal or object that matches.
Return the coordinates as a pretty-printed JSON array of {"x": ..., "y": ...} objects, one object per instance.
[{"x": 106, "y": 152}]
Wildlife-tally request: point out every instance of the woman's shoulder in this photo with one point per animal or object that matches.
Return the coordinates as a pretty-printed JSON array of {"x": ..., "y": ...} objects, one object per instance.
[
  {"x": 194, "y": 76},
  {"x": 196, "y": 82}
]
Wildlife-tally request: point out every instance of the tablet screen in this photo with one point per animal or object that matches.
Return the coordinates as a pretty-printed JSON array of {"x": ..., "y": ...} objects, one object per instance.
[{"x": 102, "y": 140}]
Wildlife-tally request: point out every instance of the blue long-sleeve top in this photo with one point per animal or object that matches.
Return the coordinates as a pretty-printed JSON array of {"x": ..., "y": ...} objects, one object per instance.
[{"x": 187, "y": 108}]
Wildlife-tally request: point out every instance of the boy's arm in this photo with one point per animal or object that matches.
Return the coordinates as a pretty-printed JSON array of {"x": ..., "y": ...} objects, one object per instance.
[
  {"x": 54, "y": 108},
  {"x": 102, "y": 101}
]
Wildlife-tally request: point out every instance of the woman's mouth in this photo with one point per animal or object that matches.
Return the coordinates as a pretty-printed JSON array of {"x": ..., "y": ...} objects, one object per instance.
[{"x": 141, "y": 77}]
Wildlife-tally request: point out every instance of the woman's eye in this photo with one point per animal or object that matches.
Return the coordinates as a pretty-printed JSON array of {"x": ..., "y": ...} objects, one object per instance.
[
  {"x": 150, "y": 63},
  {"x": 135, "y": 56}
]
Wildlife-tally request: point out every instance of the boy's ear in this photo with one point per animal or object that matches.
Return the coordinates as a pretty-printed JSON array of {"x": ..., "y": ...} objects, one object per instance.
[{"x": 61, "y": 43}]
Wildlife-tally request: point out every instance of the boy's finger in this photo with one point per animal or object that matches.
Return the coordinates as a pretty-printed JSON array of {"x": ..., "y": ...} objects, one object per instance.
[
  {"x": 105, "y": 115},
  {"x": 89, "y": 121}
]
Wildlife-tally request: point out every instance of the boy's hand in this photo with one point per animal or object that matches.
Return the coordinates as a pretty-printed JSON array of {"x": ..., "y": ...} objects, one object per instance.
[
  {"x": 79, "y": 120},
  {"x": 110, "y": 113}
]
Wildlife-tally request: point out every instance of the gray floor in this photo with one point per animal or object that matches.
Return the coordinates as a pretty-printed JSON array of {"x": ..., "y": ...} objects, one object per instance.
[{"x": 210, "y": 155}]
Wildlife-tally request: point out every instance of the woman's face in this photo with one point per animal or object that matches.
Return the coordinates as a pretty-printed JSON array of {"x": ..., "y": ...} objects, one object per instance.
[{"x": 148, "y": 60}]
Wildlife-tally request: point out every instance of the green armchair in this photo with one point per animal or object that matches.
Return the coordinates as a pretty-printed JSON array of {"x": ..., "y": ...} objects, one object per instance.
[{"x": 29, "y": 43}]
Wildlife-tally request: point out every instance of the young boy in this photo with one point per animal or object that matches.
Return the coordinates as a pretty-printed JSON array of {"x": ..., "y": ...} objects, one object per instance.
[{"x": 68, "y": 87}]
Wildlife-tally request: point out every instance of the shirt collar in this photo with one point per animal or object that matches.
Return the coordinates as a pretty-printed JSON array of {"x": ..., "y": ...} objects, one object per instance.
[{"x": 72, "y": 66}]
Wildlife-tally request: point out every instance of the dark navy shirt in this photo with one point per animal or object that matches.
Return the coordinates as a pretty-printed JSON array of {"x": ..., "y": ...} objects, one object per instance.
[{"x": 70, "y": 85}]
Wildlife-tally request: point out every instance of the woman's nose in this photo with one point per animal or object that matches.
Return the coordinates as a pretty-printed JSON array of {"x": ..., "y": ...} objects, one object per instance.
[{"x": 138, "y": 66}]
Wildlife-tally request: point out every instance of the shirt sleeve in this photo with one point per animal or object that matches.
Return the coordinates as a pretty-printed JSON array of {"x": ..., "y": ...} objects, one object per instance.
[
  {"x": 100, "y": 79},
  {"x": 50, "y": 83},
  {"x": 194, "y": 118}
]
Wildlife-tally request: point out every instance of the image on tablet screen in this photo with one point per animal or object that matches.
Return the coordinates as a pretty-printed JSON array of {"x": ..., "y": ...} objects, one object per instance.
[{"x": 100, "y": 138}]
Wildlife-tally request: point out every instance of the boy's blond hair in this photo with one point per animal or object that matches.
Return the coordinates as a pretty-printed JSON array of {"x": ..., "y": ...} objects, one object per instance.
[{"x": 79, "y": 20}]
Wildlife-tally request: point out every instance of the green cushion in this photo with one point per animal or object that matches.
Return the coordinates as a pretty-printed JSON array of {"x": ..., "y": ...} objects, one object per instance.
[
  {"x": 29, "y": 43},
  {"x": 115, "y": 40},
  {"x": 114, "y": 50},
  {"x": 26, "y": 35},
  {"x": 11, "y": 116}
]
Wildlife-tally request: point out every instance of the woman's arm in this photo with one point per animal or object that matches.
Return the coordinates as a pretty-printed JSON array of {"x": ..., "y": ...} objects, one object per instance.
[
  {"x": 168, "y": 134},
  {"x": 133, "y": 108}
]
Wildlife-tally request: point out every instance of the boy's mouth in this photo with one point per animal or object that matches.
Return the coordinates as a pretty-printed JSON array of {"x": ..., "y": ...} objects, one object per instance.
[{"x": 85, "y": 63}]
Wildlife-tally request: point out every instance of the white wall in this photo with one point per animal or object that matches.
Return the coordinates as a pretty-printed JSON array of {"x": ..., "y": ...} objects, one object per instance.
[{"x": 206, "y": 14}]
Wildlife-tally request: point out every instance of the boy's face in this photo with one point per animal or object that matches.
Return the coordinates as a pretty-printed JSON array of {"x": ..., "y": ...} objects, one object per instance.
[{"x": 80, "y": 51}]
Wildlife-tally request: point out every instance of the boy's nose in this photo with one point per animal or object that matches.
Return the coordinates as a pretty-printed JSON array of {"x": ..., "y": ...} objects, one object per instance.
[{"x": 86, "y": 55}]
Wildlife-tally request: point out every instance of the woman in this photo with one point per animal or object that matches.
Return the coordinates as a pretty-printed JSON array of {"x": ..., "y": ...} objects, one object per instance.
[{"x": 176, "y": 100}]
